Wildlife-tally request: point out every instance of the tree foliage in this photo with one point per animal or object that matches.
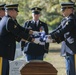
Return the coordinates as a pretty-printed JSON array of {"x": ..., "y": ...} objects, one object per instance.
[{"x": 50, "y": 14}]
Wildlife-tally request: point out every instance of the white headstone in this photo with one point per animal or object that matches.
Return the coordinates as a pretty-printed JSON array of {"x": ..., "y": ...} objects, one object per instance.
[{"x": 15, "y": 66}]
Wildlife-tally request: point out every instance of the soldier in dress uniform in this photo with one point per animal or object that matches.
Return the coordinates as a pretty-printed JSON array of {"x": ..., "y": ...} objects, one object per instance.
[
  {"x": 10, "y": 32},
  {"x": 66, "y": 33},
  {"x": 3, "y": 62},
  {"x": 2, "y": 10},
  {"x": 35, "y": 51}
]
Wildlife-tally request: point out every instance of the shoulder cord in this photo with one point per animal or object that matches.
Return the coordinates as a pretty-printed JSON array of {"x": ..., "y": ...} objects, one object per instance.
[{"x": 7, "y": 23}]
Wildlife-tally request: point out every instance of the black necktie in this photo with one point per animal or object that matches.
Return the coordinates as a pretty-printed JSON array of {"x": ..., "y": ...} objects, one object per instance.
[{"x": 35, "y": 24}]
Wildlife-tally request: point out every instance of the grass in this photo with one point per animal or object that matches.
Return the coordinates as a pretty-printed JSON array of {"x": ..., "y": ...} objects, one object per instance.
[{"x": 55, "y": 59}]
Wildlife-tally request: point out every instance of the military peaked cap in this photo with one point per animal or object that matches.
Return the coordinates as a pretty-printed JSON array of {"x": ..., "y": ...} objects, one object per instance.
[
  {"x": 36, "y": 10},
  {"x": 11, "y": 7},
  {"x": 2, "y": 6},
  {"x": 67, "y": 5}
]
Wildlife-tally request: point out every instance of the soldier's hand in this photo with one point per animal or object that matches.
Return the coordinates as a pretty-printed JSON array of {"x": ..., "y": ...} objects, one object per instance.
[
  {"x": 36, "y": 40},
  {"x": 35, "y": 33},
  {"x": 53, "y": 41},
  {"x": 49, "y": 36},
  {"x": 30, "y": 31},
  {"x": 24, "y": 40},
  {"x": 49, "y": 39},
  {"x": 33, "y": 39}
]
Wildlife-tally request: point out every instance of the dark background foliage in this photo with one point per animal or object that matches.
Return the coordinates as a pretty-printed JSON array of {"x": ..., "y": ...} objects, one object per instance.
[{"x": 51, "y": 13}]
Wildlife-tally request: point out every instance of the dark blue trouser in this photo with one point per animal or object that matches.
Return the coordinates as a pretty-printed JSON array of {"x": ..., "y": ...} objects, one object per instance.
[
  {"x": 70, "y": 65},
  {"x": 4, "y": 68},
  {"x": 32, "y": 57}
]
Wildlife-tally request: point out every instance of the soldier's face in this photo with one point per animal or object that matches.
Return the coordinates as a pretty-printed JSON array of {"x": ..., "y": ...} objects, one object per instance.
[
  {"x": 2, "y": 13},
  {"x": 65, "y": 13},
  {"x": 35, "y": 16},
  {"x": 15, "y": 13}
]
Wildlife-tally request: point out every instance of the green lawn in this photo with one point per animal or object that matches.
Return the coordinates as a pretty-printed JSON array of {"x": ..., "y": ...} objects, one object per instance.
[{"x": 55, "y": 59}]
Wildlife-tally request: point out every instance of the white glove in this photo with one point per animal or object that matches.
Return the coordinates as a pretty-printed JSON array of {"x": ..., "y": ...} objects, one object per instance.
[
  {"x": 42, "y": 43},
  {"x": 48, "y": 40},
  {"x": 48, "y": 36},
  {"x": 35, "y": 32},
  {"x": 36, "y": 40}
]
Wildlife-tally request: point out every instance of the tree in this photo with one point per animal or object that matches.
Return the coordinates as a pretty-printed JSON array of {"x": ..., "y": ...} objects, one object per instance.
[{"x": 50, "y": 14}]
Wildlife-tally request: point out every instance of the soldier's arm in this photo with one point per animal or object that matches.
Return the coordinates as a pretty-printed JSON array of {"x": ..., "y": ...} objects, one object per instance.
[
  {"x": 15, "y": 29},
  {"x": 26, "y": 26},
  {"x": 46, "y": 44},
  {"x": 59, "y": 34},
  {"x": 23, "y": 41}
]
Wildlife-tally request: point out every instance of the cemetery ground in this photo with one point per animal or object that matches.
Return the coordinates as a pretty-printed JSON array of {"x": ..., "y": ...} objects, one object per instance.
[
  {"x": 52, "y": 57},
  {"x": 55, "y": 59}
]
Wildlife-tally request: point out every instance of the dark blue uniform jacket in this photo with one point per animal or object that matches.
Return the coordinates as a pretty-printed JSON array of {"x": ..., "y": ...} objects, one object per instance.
[
  {"x": 10, "y": 32},
  {"x": 36, "y": 49},
  {"x": 67, "y": 33}
]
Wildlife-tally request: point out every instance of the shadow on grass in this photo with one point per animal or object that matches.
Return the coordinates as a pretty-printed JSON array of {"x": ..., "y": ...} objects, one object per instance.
[
  {"x": 54, "y": 50},
  {"x": 54, "y": 47}
]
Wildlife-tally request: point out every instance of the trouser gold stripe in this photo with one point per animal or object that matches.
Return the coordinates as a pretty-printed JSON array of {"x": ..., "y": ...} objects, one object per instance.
[
  {"x": 0, "y": 65},
  {"x": 75, "y": 62}
]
